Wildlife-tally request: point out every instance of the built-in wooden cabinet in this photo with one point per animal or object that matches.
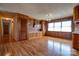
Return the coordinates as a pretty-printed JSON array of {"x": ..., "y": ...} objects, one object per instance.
[
  {"x": 33, "y": 35},
  {"x": 76, "y": 13},
  {"x": 75, "y": 35},
  {"x": 34, "y": 29},
  {"x": 76, "y": 41}
]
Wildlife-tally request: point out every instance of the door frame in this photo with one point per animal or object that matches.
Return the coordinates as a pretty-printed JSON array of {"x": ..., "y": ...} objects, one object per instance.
[{"x": 2, "y": 19}]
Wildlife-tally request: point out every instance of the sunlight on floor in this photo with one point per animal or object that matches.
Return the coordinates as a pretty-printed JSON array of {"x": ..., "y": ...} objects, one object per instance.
[{"x": 59, "y": 47}]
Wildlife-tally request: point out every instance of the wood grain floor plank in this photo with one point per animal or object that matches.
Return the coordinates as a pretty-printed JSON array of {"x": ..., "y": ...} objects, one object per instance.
[{"x": 45, "y": 46}]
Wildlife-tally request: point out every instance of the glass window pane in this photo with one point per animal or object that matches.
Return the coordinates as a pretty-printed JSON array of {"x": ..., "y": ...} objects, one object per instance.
[
  {"x": 50, "y": 26},
  {"x": 57, "y": 29},
  {"x": 66, "y": 29},
  {"x": 58, "y": 24},
  {"x": 66, "y": 23},
  {"x": 50, "y": 29}
]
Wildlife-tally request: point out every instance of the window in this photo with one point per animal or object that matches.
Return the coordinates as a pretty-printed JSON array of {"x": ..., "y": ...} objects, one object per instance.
[
  {"x": 57, "y": 26},
  {"x": 64, "y": 26},
  {"x": 50, "y": 26}
]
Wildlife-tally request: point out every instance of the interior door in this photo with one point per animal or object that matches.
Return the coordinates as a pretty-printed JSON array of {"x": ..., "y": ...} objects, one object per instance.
[
  {"x": 23, "y": 33},
  {"x": 6, "y": 27}
]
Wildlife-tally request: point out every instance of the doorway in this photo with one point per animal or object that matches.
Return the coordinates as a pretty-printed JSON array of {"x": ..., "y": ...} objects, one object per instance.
[
  {"x": 6, "y": 30},
  {"x": 6, "y": 27}
]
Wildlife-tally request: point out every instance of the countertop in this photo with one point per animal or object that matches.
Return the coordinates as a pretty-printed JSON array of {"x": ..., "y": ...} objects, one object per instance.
[{"x": 75, "y": 32}]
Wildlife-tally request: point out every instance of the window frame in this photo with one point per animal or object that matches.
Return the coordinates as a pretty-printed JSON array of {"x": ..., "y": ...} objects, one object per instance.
[{"x": 60, "y": 26}]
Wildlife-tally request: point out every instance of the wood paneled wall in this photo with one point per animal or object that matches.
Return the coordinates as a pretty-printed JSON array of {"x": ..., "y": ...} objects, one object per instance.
[
  {"x": 7, "y": 14},
  {"x": 64, "y": 35},
  {"x": 20, "y": 21}
]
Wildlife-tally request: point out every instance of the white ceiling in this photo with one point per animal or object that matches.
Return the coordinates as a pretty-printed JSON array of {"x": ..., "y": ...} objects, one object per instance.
[{"x": 40, "y": 10}]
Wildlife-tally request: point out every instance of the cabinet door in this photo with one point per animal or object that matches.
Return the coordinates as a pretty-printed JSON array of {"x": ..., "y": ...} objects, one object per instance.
[
  {"x": 76, "y": 13},
  {"x": 23, "y": 31},
  {"x": 76, "y": 41}
]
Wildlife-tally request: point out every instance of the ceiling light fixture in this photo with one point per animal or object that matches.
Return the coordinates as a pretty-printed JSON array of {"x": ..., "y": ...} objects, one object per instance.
[{"x": 49, "y": 17}]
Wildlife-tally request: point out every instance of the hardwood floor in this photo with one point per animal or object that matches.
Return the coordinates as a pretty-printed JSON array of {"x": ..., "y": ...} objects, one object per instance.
[
  {"x": 6, "y": 39},
  {"x": 45, "y": 46}
]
